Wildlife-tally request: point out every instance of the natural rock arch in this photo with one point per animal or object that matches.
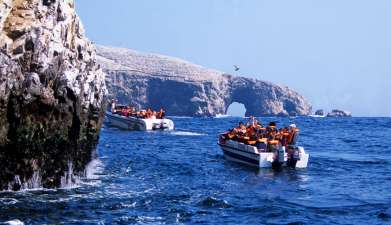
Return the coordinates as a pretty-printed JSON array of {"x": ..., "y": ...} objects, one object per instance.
[
  {"x": 184, "y": 89},
  {"x": 236, "y": 109}
]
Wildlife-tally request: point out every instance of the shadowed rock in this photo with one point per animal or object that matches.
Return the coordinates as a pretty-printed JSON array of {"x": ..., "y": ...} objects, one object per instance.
[
  {"x": 339, "y": 113},
  {"x": 51, "y": 94},
  {"x": 320, "y": 112},
  {"x": 185, "y": 89}
]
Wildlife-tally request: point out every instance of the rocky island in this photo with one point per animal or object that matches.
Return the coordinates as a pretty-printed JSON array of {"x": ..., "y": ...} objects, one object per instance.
[
  {"x": 185, "y": 89},
  {"x": 339, "y": 113},
  {"x": 51, "y": 94}
]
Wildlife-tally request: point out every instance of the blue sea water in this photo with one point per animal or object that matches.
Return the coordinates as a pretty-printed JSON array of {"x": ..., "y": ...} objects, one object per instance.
[{"x": 181, "y": 177}]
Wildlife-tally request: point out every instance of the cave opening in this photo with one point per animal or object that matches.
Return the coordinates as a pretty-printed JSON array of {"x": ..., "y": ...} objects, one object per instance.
[{"x": 236, "y": 109}]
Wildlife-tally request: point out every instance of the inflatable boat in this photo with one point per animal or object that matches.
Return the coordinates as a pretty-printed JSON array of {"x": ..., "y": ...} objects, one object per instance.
[
  {"x": 259, "y": 156},
  {"x": 139, "y": 124}
]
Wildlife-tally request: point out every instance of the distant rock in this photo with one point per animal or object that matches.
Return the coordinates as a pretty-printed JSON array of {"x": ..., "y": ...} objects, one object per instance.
[
  {"x": 339, "y": 113},
  {"x": 320, "y": 112},
  {"x": 186, "y": 89},
  {"x": 51, "y": 94}
]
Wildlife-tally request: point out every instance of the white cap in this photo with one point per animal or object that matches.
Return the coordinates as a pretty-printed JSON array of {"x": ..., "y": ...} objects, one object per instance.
[{"x": 292, "y": 125}]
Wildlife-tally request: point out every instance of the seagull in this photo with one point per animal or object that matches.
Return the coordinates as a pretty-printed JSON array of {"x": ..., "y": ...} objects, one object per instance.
[{"x": 237, "y": 68}]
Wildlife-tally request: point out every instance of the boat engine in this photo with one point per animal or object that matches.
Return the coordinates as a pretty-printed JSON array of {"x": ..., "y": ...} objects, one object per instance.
[
  {"x": 293, "y": 157},
  {"x": 279, "y": 158}
]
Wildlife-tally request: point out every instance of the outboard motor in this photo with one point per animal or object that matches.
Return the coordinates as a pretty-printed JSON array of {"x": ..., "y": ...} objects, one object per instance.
[
  {"x": 293, "y": 157},
  {"x": 281, "y": 155},
  {"x": 280, "y": 158}
]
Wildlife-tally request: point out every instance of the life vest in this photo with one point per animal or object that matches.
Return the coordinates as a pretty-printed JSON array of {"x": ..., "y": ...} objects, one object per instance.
[
  {"x": 251, "y": 142},
  {"x": 273, "y": 142},
  {"x": 293, "y": 136},
  {"x": 263, "y": 140},
  {"x": 230, "y": 135},
  {"x": 285, "y": 139}
]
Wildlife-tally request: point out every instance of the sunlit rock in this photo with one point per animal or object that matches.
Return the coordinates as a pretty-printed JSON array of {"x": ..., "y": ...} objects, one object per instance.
[
  {"x": 51, "y": 93},
  {"x": 186, "y": 89}
]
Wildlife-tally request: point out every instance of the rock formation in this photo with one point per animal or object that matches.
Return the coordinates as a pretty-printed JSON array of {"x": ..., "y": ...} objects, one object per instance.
[
  {"x": 51, "y": 94},
  {"x": 320, "y": 112},
  {"x": 185, "y": 89},
  {"x": 339, "y": 113}
]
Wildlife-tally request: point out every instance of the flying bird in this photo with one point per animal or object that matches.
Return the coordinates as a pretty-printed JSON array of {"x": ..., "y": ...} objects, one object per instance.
[{"x": 237, "y": 68}]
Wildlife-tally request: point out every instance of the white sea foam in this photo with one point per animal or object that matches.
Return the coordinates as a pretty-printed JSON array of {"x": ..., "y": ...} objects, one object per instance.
[
  {"x": 218, "y": 116},
  {"x": 181, "y": 117},
  {"x": 69, "y": 180},
  {"x": 94, "y": 169},
  {"x": 13, "y": 222},
  {"x": 186, "y": 133},
  {"x": 8, "y": 201}
]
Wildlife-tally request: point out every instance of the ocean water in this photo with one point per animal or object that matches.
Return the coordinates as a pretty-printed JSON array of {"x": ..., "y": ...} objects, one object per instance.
[{"x": 181, "y": 177}]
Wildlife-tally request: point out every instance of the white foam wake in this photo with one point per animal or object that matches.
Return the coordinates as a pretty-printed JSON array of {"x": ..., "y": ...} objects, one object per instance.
[
  {"x": 222, "y": 116},
  {"x": 13, "y": 222},
  {"x": 186, "y": 133}
]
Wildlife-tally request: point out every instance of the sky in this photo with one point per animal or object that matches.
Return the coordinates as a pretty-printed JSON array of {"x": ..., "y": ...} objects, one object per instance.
[{"x": 337, "y": 53}]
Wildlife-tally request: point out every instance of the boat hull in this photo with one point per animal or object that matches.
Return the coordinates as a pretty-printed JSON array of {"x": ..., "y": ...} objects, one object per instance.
[
  {"x": 250, "y": 155},
  {"x": 137, "y": 124}
]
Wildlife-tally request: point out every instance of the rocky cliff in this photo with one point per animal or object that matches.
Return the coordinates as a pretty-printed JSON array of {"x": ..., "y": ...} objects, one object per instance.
[
  {"x": 51, "y": 94},
  {"x": 186, "y": 89}
]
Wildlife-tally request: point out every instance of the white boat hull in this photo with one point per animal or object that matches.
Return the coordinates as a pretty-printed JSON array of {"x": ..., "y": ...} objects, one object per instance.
[
  {"x": 249, "y": 155},
  {"x": 132, "y": 123}
]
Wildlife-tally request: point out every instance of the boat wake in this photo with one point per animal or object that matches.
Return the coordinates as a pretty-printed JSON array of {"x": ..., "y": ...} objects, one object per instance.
[
  {"x": 222, "y": 116},
  {"x": 317, "y": 116},
  {"x": 13, "y": 222},
  {"x": 186, "y": 133}
]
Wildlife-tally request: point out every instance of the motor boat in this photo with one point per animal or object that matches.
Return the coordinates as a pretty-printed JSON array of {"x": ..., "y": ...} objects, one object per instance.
[
  {"x": 261, "y": 156},
  {"x": 139, "y": 124}
]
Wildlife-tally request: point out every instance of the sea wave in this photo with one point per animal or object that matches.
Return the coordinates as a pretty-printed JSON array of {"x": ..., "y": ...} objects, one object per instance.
[{"x": 8, "y": 201}]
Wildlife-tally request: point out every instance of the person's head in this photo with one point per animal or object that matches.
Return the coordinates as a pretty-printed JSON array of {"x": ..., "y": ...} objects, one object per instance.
[
  {"x": 272, "y": 124},
  {"x": 241, "y": 123}
]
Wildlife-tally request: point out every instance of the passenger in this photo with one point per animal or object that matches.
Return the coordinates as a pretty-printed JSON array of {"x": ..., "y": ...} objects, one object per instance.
[
  {"x": 113, "y": 105},
  {"x": 154, "y": 115},
  {"x": 250, "y": 122},
  {"x": 271, "y": 131},
  {"x": 123, "y": 111},
  {"x": 252, "y": 133},
  {"x": 272, "y": 126},
  {"x": 161, "y": 114},
  {"x": 242, "y": 130},
  {"x": 149, "y": 113},
  {"x": 142, "y": 114},
  {"x": 284, "y": 136},
  {"x": 133, "y": 112},
  {"x": 293, "y": 132},
  {"x": 231, "y": 134},
  {"x": 255, "y": 134}
]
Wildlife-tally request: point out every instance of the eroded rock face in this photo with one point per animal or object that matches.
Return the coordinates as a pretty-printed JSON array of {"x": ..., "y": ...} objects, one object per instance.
[
  {"x": 339, "y": 113},
  {"x": 51, "y": 93},
  {"x": 320, "y": 112},
  {"x": 185, "y": 89}
]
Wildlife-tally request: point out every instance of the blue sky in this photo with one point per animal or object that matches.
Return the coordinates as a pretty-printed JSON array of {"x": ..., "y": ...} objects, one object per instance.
[{"x": 337, "y": 53}]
